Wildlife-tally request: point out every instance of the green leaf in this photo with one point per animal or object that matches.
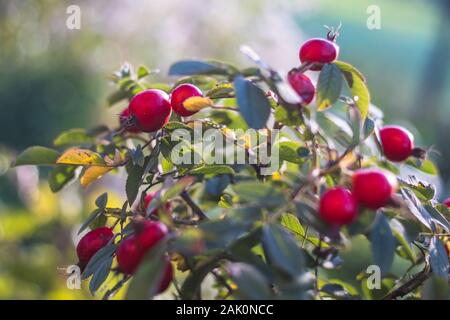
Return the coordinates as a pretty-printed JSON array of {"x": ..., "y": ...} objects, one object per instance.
[
  {"x": 253, "y": 103},
  {"x": 357, "y": 85},
  {"x": 288, "y": 116},
  {"x": 36, "y": 156},
  {"x": 291, "y": 222},
  {"x": 383, "y": 244},
  {"x": 133, "y": 182},
  {"x": 329, "y": 86},
  {"x": 73, "y": 137},
  {"x": 60, "y": 176},
  {"x": 416, "y": 208},
  {"x": 259, "y": 193},
  {"x": 102, "y": 255},
  {"x": 426, "y": 166},
  {"x": 399, "y": 232},
  {"x": 102, "y": 200},
  {"x": 251, "y": 284},
  {"x": 213, "y": 170},
  {"x": 224, "y": 90},
  {"x": 438, "y": 258},
  {"x": 142, "y": 72},
  {"x": 290, "y": 151},
  {"x": 175, "y": 189},
  {"x": 100, "y": 275},
  {"x": 192, "y": 67},
  {"x": 94, "y": 215},
  {"x": 281, "y": 250},
  {"x": 117, "y": 96},
  {"x": 145, "y": 282}
]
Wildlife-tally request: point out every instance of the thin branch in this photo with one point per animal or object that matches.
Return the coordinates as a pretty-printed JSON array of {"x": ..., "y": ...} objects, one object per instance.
[
  {"x": 195, "y": 208},
  {"x": 410, "y": 285}
]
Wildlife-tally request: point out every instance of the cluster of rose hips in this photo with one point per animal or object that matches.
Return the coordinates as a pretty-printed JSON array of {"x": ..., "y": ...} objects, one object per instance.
[
  {"x": 132, "y": 249},
  {"x": 151, "y": 109}
]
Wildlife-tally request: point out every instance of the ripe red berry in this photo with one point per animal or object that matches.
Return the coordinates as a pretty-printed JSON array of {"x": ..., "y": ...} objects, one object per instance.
[
  {"x": 132, "y": 250},
  {"x": 129, "y": 254},
  {"x": 92, "y": 242},
  {"x": 149, "y": 197},
  {"x": 180, "y": 94},
  {"x": 447, "y": 202},
  {"x": 150, "y": 110},
  {"x": 318, "y": 51},
  {"x": 338, "y": 207},
  {"x": 372, "y": 188},
  {"x": 397, "y": 143},
  {"x": 167, "y": 276},
  {"x": 123, "y": 120},
  {"x": 302, "y": 85}
]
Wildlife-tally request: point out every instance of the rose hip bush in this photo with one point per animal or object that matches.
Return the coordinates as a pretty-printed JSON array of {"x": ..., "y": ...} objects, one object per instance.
[{"x": 258, "y": 236}]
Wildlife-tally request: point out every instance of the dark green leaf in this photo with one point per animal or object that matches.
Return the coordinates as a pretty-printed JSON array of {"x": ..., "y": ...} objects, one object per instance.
[
  {"x": 100, "y": 275},
  {"x": 289, "y": 151},
  {"x": 251, "y": 284},
  {"x": 253, "y": 103},
  {"x": 383, "y": 243},
  {"x": 133, "y": 182},
  {"x": 329, "y": 86},
  {"x": 36, "y": 156},
  {"x": 102, "y": 255},
  {"x": 192, "y": 67},
  {"x": 259, "y": 193},
  {"x": 281, "y": 250},
  {"x": 102, "y": 200},
  {"x": 92, "y": 217},
  {"x": 438, "y": 258}
]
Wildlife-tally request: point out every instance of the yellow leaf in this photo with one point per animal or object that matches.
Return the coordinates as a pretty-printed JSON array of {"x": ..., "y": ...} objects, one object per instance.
[
  {"x": 81, "y": 157},
  {"x": 197, "y": 103},
  {"x": 93, "y": 173}
]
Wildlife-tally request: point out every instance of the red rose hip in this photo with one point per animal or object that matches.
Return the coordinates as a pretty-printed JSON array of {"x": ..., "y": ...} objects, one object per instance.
[
  {"x": 150, "y": 110},
  {"x": 132, "y": 249},
  {"x": 447, "y": 202},
  {"x": 124, "y": 118},
  {"x": 91, "y": 242},
  {"x": 338, "y": 207},
  {"x": 302, "y": 85},
  {"x": 167, "y": 276},
  {"x": 372, "y": 188},
  {"x": 180, "y": 94},
  {"x": 149, "y": 197},
  {"x": 397, "y": 143},
  {"x": 318, "y": 51}
]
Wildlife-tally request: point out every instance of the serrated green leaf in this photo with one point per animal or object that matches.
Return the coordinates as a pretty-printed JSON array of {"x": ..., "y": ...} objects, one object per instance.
[
  {"x": 357, "y": 85},
  {"x": 329, "y": 86}
]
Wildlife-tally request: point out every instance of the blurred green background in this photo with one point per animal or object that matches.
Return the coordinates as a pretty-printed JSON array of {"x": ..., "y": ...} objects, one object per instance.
[{"x": 53, "y": 78}]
